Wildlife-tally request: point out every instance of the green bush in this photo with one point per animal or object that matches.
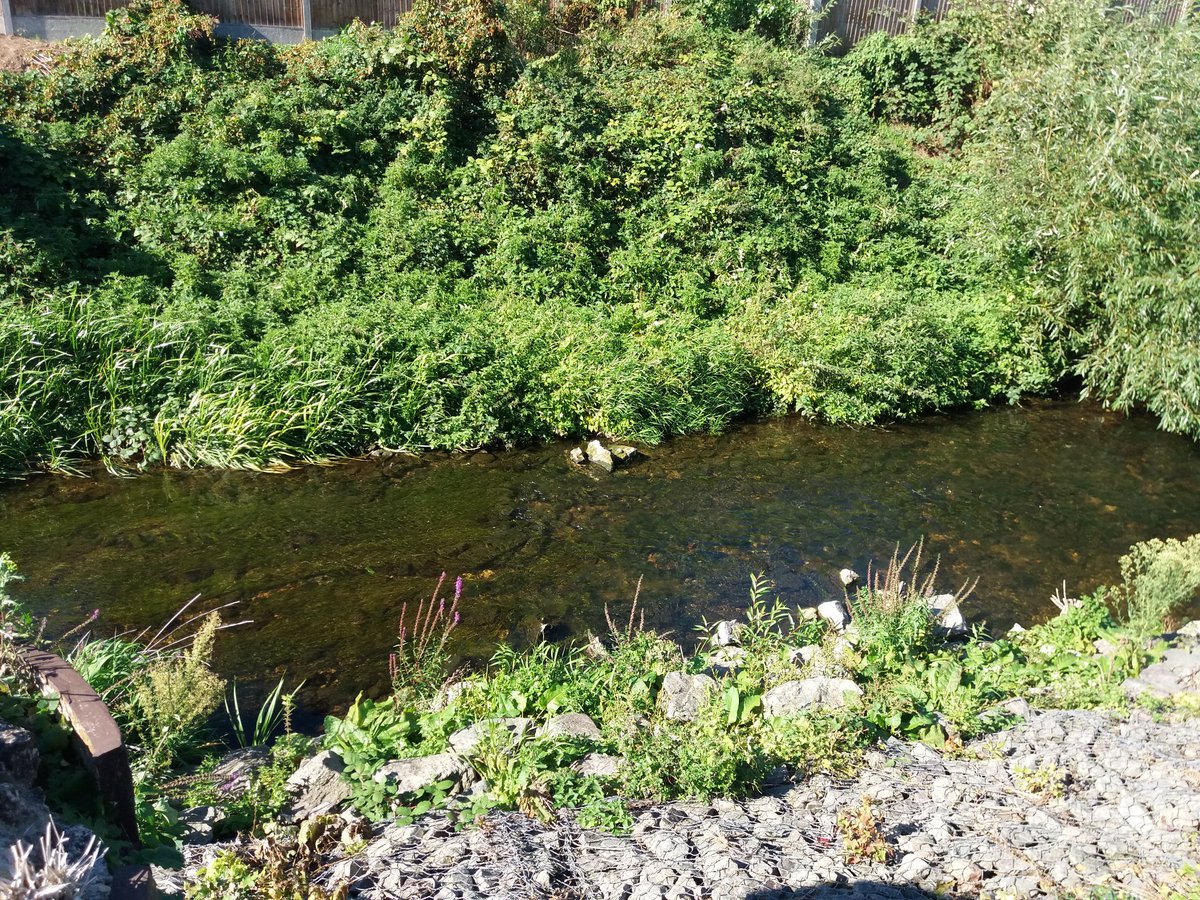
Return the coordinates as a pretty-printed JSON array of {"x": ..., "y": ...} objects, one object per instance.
[{"x": 494, "y": 225}]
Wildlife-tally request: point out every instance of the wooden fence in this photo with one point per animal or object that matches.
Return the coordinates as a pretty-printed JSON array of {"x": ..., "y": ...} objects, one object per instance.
[{"x": 293, "y": 20}]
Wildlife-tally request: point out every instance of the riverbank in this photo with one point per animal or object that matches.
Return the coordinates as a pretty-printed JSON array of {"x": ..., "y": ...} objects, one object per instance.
[
  {"x": 879, "y": 729},
  {"x": 496, "y": 225},
  {"x": 1067, "y": 803},
  {"x": 878, "y": 741}
]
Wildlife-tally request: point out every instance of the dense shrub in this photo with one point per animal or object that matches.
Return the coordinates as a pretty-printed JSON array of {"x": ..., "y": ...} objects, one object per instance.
[{"x": 495, "y": 225}]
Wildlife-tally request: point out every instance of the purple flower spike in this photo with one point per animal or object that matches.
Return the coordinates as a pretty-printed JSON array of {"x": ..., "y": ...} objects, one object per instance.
[
  {"x": 456, "y": 618},
  {"x": 458, "y": 588}
]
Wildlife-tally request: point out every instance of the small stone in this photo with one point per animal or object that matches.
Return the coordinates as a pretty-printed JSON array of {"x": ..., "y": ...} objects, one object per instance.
[
  {"x": 600, "y": 765},
  {"x": 727, "y": 659},
  {"x": 848, "y": 577},
  {"x": 19, "y": 756},
  {"x": 801, "y": 656},
  {"x": 1017, "y": 706},
  {"x": 725, "y": 633},
  {"x": 577, "y": 456},
  {"x": 466, "y": 741},
  {"x": 623, "y": 452},
  {"x": 410, "y": 775},
  {"x": 317, "y": 787}
]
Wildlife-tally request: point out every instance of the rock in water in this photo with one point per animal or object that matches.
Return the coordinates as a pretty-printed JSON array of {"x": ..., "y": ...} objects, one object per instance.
[
  {"x": 848, "y": 578},
  {"x": 577, "y": 456},
  {"x": 623, "y": 452},
  {"x": 599, "y": 455}
]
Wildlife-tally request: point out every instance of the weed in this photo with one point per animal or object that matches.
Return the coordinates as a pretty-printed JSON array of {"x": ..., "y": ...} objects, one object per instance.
[
  {"x": 275, "y": 713},
  {"x": 1158, "y": 576},
  {"x": 862, "y": 834},
  {"x": 1047, "y": 782},
  {"x": 419, "y": 666}
]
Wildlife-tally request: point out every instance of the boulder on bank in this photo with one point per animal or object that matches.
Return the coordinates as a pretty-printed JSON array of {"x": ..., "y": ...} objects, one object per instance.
[
  {"x": 683, "y": 695},
  {"x": 407, "y": 776},
  {"x": 317, "y": 787},
  {"x": 792, "y": 698},
  {"x": 466, "y": 741},
  {"x": 600, "y": 765},
  {"x": 947, "y": 615},
  {"x": 570, "y": 725},
  {"x": 1178, "y": 673},
  {"x": 19, "y": 756},
  {"x": 234, "y": 774}
]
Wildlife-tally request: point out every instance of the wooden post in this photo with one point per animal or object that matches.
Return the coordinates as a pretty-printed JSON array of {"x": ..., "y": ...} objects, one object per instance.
[
  {"x": 306, "y": 19},
  {"x": 6, "y": 22},
  {"x": 914, "y": 10}
]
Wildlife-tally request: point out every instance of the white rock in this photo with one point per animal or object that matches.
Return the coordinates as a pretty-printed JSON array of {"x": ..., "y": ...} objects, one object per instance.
[
  {"x": 410, "y": 775},
  {"x": 725, "y": 633},
  {"x": 727, "y": 659},
  {"x": 848, "y": 577},
  {"x": 947, "y": 614},
  {"x": 803, "y": 655},
  {"x": 598, "y": 454},
  {"x": 465, "y": 741},
  {"x": 834, "y": 612},
  {"x": 317, "y": 787},
  {"x": 600, "y": 765}
]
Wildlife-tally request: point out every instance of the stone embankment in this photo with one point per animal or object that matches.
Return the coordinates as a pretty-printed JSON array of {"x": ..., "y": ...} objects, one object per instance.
[{"x": 1065, "y": 802}]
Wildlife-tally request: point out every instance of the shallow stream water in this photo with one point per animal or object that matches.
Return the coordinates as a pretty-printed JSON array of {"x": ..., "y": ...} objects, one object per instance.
[{"x": 321, "y": 558}]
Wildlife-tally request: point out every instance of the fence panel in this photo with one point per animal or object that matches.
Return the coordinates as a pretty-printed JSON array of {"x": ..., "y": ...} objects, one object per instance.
[
  {"x": 849, "y": 20},
  {"x": 76, "y": 8},
  {"x": 852, "y": 20},
  {"x": 278, "y": 13},
  {"x": 339, "y": 13}
]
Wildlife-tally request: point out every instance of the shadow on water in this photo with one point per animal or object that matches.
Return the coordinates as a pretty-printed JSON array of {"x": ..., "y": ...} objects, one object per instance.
[{"x": 321, "y": 558}]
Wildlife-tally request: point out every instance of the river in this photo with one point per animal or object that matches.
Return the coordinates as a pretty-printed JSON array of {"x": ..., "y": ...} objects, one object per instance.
[{"x": 320, "y": 558}]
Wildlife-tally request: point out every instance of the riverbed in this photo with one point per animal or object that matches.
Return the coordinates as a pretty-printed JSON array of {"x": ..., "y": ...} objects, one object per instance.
[{"x": 319, "y": 559}]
